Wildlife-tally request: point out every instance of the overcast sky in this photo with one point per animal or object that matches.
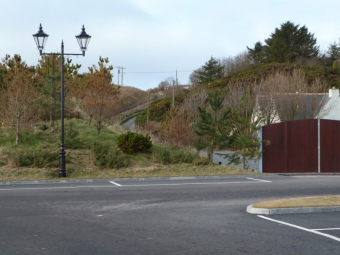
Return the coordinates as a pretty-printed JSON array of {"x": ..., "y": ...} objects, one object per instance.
[{"x": 154, "y": 38}]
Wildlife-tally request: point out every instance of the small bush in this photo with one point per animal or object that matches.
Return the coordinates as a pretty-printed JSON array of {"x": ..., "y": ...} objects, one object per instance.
[
  {"x": 39, "y": 159},
  {"x": 108, "y": 157},
  {"x": 200, "y": 161},
  {"x": 72, "y": 140},
  {"x": 131, "y": 143},
  {"x": 30, "y": 138},
  {"x": 173, "y": 156},
  {"x": 162, "y": 157}
]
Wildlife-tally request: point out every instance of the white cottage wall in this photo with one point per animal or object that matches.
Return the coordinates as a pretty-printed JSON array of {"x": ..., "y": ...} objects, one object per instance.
[{"x": 331, "y": 110}]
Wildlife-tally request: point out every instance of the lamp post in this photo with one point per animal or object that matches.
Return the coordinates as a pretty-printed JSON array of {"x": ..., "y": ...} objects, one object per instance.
[{"x": 83, "y": 41}]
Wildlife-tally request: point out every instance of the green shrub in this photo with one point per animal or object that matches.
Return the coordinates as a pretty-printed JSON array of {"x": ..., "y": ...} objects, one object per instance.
[
  {"x": 109, "y": 157},
  {"x": 159, "y": 108},
  {"x": 30, "y": 138},
  {"x": 164, "y": 155},
  {"x": 72, "y": 140},
  {"x": 141, "y": 119},
  {"x": 32, "y": 158},
  {"x": 200, "y": 161},
  {"x": 3, "y": 137},
  {"x": 131, "y": 143}
]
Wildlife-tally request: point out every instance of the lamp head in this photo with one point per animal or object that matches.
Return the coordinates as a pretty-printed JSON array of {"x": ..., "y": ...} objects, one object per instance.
[
  {"x": 40, "y": 39},
  {"x": 83, "y": 40}
]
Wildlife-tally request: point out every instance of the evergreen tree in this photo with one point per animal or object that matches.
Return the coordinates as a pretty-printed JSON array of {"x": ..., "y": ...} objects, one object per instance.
[
  {"x": 51, "y": 91},
  {"x": 211, "y": 71},
  {"x": 1, "y": 75},
  {"x": 100, "y": 99},
  {"x": 48, "y": 80},
  {"x": 212, "y": 126},
  {"x": 257, "y": 54},
  {"x": 333, "y": 53},
  {"x": 244, "y": 128},
  {"x": 290, "y": 42}
]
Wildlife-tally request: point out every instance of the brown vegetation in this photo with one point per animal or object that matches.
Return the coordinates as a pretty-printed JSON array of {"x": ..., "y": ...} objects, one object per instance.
[
  {"x": 19, "y": 100},
  {"x": 100, "y": 97}
]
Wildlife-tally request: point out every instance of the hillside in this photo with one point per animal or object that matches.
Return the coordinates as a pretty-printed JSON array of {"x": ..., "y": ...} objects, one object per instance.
[
  {"x": 331, "y": 75},
  {"x": 136, "y": 100},
  {"x": 132, "y": 97},
  {"x": 246, "y": 77}
]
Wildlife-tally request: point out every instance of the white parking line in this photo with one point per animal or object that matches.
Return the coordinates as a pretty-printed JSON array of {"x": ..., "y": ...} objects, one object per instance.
[
  {"x": 257, "y": 180},
  {"x": 326, "y": 229},
  {"x": 115, "y": 183},
  {"x": 301, "y": 228},
  {"x": 190, "y": 183},
  {"x": 50, "y": 188}
]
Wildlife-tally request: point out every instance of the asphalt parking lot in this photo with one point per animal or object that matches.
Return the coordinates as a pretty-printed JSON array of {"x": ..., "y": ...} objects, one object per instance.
[{"x": 174, "y": 216}]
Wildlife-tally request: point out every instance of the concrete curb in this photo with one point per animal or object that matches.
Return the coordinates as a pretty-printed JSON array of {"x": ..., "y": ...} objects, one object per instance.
[
  {"x": 266, "y": 211},
  {"x": 133, "y": 179}
]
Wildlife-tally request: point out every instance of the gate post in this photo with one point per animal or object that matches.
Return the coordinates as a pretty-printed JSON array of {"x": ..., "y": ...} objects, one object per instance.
[
  {"x": 319, "y": 152},
  {"x": 259, "y": 133}
]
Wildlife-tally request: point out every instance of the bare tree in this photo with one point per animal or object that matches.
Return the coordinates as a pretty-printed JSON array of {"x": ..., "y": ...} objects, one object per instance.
[
  {"x": 166, "y": 83},
  {"x": 265, "y": 107},
  {"x": 193, "y": 100},
  {"x": 178, "y": 129},
  {"x": 289, "y": 96},
  {"x": 193, "y": 79},
  {"x": 235, "y": 63}
]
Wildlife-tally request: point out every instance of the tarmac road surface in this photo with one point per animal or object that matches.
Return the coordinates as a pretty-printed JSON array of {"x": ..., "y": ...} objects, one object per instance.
[{"x": 159, "y": 216}]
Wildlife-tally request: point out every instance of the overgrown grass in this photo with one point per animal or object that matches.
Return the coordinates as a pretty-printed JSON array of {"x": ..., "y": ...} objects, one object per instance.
[
  {"x": 315, "y": 201},
  {"x": 179, "y": 170},
  {"x": 91, "y": 156},
  {"x": 166, "y": 155},
  {"x": 32, "y": 158},
  {"x": 109, "y": 156}
]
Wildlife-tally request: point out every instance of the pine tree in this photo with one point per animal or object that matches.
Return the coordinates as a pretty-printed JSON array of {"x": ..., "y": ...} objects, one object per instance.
[
  {"x": 48, "y": 80},
  {"x": 290, "y": 42},
  {"x": 257, "y": 54},
  {"x": 211, "y": 71},
  {"x": 212, "y": 126},
  {"x": 333, "y": 53},
  {"x": 100, "y": 98},
  {"x": 51, "y": 90},
  {"x": 244, "y": 138},
  {"x": 1, "y": 75}
]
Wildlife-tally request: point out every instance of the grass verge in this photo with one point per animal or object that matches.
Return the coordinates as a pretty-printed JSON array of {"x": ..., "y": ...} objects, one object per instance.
[
  {"x": 180, "y": 170},
  {"x": 93, "y": 156},
  {"x": 316, "y": 201}
]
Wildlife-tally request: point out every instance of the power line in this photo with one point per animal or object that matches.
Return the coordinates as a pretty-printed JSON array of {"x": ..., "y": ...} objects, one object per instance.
[{"x": 163, "y": 72}]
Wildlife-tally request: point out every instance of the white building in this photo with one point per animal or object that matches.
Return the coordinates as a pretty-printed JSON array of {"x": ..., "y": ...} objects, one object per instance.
[
  {"x": 331, "y": 109},
  {"x": 299, "y": 106}
]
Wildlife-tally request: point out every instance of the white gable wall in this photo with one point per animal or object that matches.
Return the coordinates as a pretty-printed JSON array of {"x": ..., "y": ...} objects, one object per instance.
[{"x": 331, "y": 110}]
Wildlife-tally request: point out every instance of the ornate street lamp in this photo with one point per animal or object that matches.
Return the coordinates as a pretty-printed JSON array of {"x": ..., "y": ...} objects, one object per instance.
[
  {"x": 83, "y": 39},
  {"x": 40, "y": 39}
]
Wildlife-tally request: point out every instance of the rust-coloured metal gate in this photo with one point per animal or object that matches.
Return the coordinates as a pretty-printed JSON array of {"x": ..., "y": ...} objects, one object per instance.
[{"x": 292, "y": 147}]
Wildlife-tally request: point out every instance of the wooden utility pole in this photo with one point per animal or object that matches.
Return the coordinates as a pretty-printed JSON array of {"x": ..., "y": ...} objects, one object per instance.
[
  {"x": 173, "y": 94},
  {"x": 173, "y": 90},
  {"x": 147, "y": 112},
  {"x": 122, "y": 68}
]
